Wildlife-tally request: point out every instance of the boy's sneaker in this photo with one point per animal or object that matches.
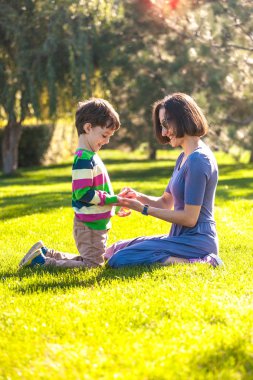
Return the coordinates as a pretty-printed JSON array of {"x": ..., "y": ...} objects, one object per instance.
[
  {"x": 34, "y": 251},
  {"x": 35, "y": 258},
  {"x": 211, "y": 259}
]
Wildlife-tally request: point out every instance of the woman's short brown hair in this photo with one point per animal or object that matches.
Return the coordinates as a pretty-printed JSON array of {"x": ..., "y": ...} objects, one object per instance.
[
  {"x": 97, "y": 112},
  {"x": 189, "y": 118}
]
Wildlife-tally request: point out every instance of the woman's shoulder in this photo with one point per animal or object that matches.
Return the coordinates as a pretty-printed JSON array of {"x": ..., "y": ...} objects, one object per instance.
[
  {"x": 202, "y": 153},
  {"x": 203, "y": 157}
]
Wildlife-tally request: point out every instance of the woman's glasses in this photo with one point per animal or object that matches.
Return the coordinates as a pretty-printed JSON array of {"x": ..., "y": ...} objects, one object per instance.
[{"x": 165, "y": 123}]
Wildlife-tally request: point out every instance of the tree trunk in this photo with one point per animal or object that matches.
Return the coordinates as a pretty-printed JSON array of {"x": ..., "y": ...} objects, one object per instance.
[
  {"x": 251, "y": 155},
  {"x": 152, "y": 152},
  {"x": 10, "y": 142},
  {"x": 251, "y": 144}
]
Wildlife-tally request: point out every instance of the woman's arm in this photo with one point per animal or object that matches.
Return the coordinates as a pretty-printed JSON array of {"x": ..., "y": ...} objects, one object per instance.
[
  {"x": 163, "y": 202},
  {"x": 187, "y": 217}
]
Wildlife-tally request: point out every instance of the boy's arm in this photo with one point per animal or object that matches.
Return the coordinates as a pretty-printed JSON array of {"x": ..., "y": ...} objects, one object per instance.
[
  {"x": 83, "y": 191},
  {"x": 95, "y": 197}
]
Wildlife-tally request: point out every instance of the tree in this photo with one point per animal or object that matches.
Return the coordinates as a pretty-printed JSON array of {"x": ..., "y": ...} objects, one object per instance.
[
  {"x": 221, "y": 55},
  {"x": 136, "y": 66},
  {"x": 205, "y": 51},
  {"x": 131, "y": 52},
  {"x": 46, "y": 55}
]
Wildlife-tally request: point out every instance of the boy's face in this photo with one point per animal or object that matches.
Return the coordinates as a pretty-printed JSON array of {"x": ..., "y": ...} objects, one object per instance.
[{"x": 96, "y": 137}]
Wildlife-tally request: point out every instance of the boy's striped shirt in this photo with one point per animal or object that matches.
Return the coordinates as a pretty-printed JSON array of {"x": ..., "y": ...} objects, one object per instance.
[{"x": 92, "y": 193}]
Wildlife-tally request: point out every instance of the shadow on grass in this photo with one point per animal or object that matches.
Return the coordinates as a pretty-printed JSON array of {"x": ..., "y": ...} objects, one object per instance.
[
  {"x": 228, "y": 189},
  {"x": 233, "y": 168},
  {"x": 230, "y": 357},
  {"x": 235, "y": 184},
  {"x": 109, "y": 161},
  {"x": 48, "y": 279},
  {"x": 20, "y": 177},
  {"x": 23, "y": 180},
  {"x": 22, "y": 172},
  {"x": 145, "y": 175},
  {"x": 41, "y": 202},
  {"x": 31, "y": 204}
]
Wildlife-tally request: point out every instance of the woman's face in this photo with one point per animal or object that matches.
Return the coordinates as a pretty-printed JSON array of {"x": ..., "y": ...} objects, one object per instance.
[{"x": 169, "y": 128}]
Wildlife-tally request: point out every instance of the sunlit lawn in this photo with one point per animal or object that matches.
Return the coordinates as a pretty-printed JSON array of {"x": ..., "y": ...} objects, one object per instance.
[{"x": 180, "y": 322}]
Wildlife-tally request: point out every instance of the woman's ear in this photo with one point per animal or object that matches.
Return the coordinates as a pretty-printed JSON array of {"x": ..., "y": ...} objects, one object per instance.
[{"x": 87, "y": 127}]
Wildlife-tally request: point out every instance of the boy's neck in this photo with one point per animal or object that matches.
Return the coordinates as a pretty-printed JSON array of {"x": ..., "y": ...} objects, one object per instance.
[{"x": 82, "y": 144}]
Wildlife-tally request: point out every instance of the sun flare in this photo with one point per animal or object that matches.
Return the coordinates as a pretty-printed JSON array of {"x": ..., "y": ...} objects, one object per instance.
[{"x": 168, "y": 7}]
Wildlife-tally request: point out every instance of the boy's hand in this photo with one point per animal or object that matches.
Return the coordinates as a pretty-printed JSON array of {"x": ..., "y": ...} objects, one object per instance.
[{"x": 125, "y": 193}]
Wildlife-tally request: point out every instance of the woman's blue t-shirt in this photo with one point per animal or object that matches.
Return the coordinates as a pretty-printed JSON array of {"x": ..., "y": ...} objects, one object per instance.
[{"x": 194, "y": 183}]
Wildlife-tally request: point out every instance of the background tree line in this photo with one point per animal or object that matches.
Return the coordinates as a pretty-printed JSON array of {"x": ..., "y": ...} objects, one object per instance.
[{"x": 54, "y": 53}]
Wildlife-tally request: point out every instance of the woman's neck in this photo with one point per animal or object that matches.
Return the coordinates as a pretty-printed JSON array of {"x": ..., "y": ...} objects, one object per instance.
[{"x": 190, "y": 144}]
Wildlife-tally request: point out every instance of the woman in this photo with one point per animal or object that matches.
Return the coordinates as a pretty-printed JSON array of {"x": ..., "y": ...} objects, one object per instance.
[{"x": 188, "y": 200}]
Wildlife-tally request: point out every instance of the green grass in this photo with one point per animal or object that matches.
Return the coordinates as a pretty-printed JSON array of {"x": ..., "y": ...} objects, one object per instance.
[{"x": 148, "y": 323}]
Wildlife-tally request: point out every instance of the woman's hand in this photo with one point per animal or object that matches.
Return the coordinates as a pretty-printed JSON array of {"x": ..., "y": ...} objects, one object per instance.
[
  {"x": 123, "y": 211},
  {"x": 127, "y": 192},
  {"x": 130, "y": 203}
]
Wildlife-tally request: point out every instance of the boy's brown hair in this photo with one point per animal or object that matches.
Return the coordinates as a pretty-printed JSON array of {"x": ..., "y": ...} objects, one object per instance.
[
  {"x": 97, "y": 112},
  {"x": 188, "y": 117}
]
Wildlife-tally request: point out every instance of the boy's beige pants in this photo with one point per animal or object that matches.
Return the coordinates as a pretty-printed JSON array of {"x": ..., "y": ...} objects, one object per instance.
[{"x": 91, "y": 245}]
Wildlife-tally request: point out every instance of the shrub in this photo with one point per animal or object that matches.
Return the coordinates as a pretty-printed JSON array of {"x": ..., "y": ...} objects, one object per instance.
[{"x": 34, "y": 143}]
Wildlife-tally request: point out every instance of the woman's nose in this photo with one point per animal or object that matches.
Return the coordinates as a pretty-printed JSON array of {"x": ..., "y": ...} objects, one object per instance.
[{"x": 164, "y": 131}]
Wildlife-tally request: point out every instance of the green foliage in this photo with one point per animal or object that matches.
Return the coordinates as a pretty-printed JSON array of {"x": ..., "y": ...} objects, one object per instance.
[
  {"x": 133, "y": 53},
  {"x": 206, "y": 51},
  {"x": 181, "y": 322},
  {"x": 48, "y": 46},
  {"x": 46, "y": 59},
  {"x": 34, "y": 143}
]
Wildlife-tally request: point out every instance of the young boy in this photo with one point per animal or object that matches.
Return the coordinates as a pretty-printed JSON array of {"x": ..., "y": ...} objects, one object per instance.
[{"x": 92, "y": 193}]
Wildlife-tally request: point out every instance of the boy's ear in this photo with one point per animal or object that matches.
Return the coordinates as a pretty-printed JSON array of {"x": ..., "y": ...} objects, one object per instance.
[{"x": 87, "y": 127}]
